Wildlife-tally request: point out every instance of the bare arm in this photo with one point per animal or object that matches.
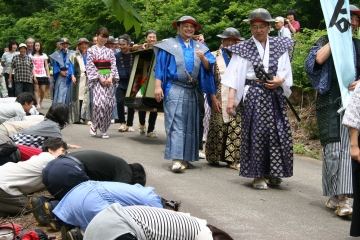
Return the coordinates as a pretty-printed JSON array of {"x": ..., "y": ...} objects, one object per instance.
[
  {"x": 292, "y": 29},
  {"x": 323, "y": 54},
  {"x": 216, "y": 105},
  {"x": 158, "y": 91},
  {"x": 47, "y": 68},
  {"x": 33, "y": 74},
  {"x": 354, "y": 145},
  {"x": 231, "y": 102},
  {"x": 203, "y": 59}
]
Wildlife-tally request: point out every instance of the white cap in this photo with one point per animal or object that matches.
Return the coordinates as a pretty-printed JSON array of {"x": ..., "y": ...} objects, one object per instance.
[
  {"x": 22, "y": 45},
  {"x": 279, "y": 19}
]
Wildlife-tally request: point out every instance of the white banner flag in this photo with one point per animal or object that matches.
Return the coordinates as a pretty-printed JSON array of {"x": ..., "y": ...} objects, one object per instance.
[{"x": 337, "y": 19}]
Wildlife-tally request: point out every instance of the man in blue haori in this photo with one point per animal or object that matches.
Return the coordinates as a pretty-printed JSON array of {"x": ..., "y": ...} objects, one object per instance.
[
  {"x": 183, "y": 67},
  {"x": 63, "y": 72}
]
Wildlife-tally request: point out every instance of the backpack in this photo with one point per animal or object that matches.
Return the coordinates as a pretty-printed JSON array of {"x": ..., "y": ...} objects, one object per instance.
[
  {"x": 9, "y": 231},
  {"x": 14, "y": 231}
]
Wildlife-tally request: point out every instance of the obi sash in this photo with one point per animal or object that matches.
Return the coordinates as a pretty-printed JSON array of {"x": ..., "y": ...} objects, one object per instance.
[{"x": 103, "y": 66}]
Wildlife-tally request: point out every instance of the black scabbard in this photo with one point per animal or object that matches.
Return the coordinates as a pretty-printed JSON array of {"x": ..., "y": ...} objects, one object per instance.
[{"x": 269, "y": 77}]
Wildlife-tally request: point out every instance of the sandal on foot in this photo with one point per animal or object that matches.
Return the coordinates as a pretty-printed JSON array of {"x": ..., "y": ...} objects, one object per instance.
[
  {"x": 177, "y": 166},
  {"x": 188, "y": 165},
  {"x": 92, "y": 131},
  {"x": 275, "y": 181},
  {"x": 344, "y": 208},
  {"x": 259, "y": 183},
  {"x": 104, "y": 136},
  {"x": 331, "y": 204},
  {"x": 234, "y": 165}
]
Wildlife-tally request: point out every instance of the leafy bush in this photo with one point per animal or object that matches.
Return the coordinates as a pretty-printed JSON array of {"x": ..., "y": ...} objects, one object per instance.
[
  {"x": 299, "y": 148},
  {"x": 311, "y": 128},
  {"x": 304, "y": 42}
]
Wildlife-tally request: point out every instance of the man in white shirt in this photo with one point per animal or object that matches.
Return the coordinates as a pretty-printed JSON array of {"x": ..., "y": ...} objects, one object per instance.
[
  {"x": 17, "y": 109},
  {"x": 282, "y": 31},
  {"x": 17, "y": 180}
]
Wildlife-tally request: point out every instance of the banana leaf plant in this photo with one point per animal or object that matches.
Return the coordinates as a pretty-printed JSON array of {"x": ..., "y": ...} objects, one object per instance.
[{"x": 126, "y": 14}]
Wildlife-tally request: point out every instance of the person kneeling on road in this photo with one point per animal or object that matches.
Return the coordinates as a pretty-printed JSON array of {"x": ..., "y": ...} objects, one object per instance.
[
  {"x": 69, "y": 170},
  {"x": 137, "y": 222},
  {"x": 87, "y": 199},
  {"x": 17, "y": 180}
]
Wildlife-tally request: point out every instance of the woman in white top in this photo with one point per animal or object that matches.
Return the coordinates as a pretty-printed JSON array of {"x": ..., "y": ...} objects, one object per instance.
[
  {"x": 6, "y": 60},
  {"x": 42, "y": 74}
]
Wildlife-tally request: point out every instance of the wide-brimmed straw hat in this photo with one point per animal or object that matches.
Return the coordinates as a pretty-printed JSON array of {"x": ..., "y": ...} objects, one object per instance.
[{"x": 187, "y": 19}]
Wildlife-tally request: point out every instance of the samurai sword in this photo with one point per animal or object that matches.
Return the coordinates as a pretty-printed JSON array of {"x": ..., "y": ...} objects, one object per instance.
[
  {"x": 191, "y": 80},
  {"x": 270, "y": 78}
]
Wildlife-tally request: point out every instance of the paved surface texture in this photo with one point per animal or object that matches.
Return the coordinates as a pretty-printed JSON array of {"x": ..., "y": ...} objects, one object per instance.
[{"x": 294, "y": 210}]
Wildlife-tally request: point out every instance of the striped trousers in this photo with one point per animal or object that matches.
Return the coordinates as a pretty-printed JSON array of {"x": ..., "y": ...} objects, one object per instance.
[{"x": 336, "y": 168}]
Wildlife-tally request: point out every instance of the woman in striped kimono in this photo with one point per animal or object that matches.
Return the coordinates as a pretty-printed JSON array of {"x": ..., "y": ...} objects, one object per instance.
[{"x": 102, "y": 78}]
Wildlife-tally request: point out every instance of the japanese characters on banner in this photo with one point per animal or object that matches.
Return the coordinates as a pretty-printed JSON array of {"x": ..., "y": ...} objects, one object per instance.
[{"x": 337, "y": 19}]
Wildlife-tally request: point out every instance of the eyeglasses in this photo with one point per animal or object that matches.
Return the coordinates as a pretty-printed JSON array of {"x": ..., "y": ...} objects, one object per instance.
[{"x": 261, "y": 27}]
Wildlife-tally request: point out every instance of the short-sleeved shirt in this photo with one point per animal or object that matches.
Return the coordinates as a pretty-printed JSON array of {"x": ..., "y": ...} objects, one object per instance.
[
  {"x": 102, "y": 166},
  {"x": 23, "y": 66},
  {"x": 39, "y": 66},
  {"x": 295, "y": 24},
  {"x": 7, "y": 58}
]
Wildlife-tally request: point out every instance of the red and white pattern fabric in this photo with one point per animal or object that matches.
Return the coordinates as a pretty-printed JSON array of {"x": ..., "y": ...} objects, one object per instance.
[{"x": 103, "y": 97}]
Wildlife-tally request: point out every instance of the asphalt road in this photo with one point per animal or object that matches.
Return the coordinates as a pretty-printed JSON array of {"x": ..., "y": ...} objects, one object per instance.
[{"x": 294, "y": 210}]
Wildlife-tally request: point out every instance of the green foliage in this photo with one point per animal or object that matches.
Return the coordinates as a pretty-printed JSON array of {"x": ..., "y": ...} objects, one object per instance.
[
  {"x": 71, "y": 19},
  {"x": 125, "y": 13},
  {"x": 304, "y": 42},
  {"x": 48, "y": 20},
  {"x": 311, "y": 128},
  {"x": 299, "y": 148}
]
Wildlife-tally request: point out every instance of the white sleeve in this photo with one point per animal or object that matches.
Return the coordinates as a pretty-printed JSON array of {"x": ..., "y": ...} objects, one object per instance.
[
  {"x": 285, "y": 71},
  {"x": 45, "y": 56},
  {"x": 235, "y": 76},
  {"x": 287, "y": 33}
]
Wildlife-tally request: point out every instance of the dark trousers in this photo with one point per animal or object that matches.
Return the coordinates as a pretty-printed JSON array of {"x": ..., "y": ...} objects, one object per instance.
[
  {"x": 60, "y": 176},
  {"x": 201, "y": 118},
  {"x": 23, "y": 87},
  {"x": 355, "y": 229},
  {"x": 11, "y": 91},
  {"x": 152, "y": 120},
  {"x": 120, "y": 99}
]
